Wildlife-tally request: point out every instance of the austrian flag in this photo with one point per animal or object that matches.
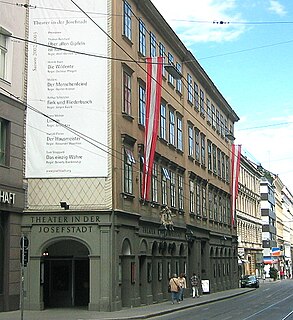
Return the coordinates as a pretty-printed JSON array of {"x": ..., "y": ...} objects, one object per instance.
[
  {"x": 236, "y": 154},
  {"x": 153, "y": 102}
]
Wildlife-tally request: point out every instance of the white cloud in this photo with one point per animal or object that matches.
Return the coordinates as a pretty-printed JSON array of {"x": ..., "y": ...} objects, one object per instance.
[
  {"x": 277, "y": 7},
  {"x": 193, "y": 22}
]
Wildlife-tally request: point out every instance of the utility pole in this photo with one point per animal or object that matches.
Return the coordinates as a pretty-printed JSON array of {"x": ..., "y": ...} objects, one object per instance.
[{"x": 23, "y": 261}]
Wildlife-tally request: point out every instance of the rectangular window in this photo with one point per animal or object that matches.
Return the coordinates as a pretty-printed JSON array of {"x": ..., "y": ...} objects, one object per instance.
[
  {"x": 209, "y": 112},
  {"x": 215, "y": 207},
  {"x": 173, "y": 189},
  {"x": 4, "y": 145},
  {"x": 222, "y": 125},
  {"x": 162, "y": 52},
  {"x": 142, "y": 110},
  {"x": 172, "y": 127},
  {"x": 179, "y": 134},
  {"x": 202, "y": 109},
  {"x": 153, "y": 45},
  {"x": 203, "y": 149},
  {"x": 3, "y": 56},
  {"x": 128, "y": 170},
  {"x": 2, "y": 246},
  {"x": 198, "y": 197},
  {"x": 219, "y": 162},
  {"x": 142, "y": 38},
  {"x": 223, "y": 162},
  {"x": 211, "y": 206},
  {"x": 190, "y": 141},
  {"x": 191, "y": 196},
  {"x": 179, "y": 81},
  {"x": 155, "y": 182},
  {"x": 197, "y": 148},
  {"x": 163, "y": 131},
  {"x": 218, "y": 120},
  {"x": 165, "y": 177},
  {"x": 204, "y": 201},
  {"x": 210, "y": 165},
  {"x": 180, "y": 192},
  {"x": 227, "y": 169},
  {"x": 213, "y": 117},
  {"x": 196, "y": 97},
  {"x": 214, "y": 159},
  {"x": 127, "y": 20},
  {"x": 170, "y": 62},
  {"x": 189, "y": 88},
  {"x": 126, "y": 92}
]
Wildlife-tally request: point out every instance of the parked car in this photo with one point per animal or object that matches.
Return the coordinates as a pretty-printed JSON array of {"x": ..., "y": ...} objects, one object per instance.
[{"x": 250, "y": 281}]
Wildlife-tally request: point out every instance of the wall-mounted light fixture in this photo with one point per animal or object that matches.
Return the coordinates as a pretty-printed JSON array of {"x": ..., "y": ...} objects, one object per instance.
[
  {"x": 189, "y": 236},
  {"x": 229, "y": 135},
  {"x": 63, "y": 204}
]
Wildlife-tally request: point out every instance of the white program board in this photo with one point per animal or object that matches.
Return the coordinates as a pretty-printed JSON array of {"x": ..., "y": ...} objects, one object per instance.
[{"x": 69, "y": 88}]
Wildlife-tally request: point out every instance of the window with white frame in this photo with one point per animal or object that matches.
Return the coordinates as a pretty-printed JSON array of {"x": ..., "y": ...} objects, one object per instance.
[
  {"x": 211, "y": 205},
  {"x": 203, "y": 149},
  {"x": 197, "y": 147},
  {"x": 180, "y": 192},
  {"x": 155, "y": 180},
  {"x": 129, "y": 161},
  {"x": 213, "y": 117},
  {"x": 165, "y": 177},
  {"x": 173, "y": 189},
  {"x": 227, "y": 169},
  {"x": 215, "y": 159},
  {"x": 223, "y": 162},
  {"x": 210, "y": 165},
  {"x": 4, "y": 148},
  {"x": 191, "y": 196},
  {"x": 170, "y": 62},
  {"x": 126, "y": 107},
  {"x": 204, "y": 201},
  {"x": 189, "y": 88},
  {"x": 163, "y": 129},
  {"x": 198, "y": 197},
  {"x": 209, "y": 111},
  {"x": 172, "y": 127},
  {"x": 196, "y": 96},
  {"x": 141, "y": 105},
  {"x": 162, "y": 52},
  {"x": 219, "y": 162},
  {"x": 190, "y": 141},
  {"x": 142, "y": 38},
  {"x": 179, "y": 134},
  {"x": 179, "y": 81},
  {"x": 201, "y": 102},
  {"x": 153, "y": 45},
  {"x": 3, "y": 56},
  {"x": 217, "y": 120},
  {"x": 127, "y": 24},
  {"x": 222, "y": 125}
]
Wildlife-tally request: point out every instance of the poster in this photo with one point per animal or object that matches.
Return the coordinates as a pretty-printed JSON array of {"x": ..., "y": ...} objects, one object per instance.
[{"x": 66, "y": 131}]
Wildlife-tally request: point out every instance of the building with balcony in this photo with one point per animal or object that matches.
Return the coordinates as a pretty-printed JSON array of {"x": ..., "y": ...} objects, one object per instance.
[
  {"x": 249, "y": 220},
  {"x": 12, "y": 62},
  {"x": 94, "y": 241}
]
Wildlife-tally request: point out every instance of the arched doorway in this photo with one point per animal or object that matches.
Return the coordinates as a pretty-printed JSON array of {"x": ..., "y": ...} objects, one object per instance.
[{"x": 65, "y": 274}]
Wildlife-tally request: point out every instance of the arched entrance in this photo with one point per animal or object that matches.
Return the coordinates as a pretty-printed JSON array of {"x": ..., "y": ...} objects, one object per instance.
[{"x": 65, "y": 274}]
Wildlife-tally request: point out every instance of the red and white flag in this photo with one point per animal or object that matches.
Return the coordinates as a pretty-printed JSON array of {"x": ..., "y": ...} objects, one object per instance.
[
  {"x": 153, "y": 102},
  {"x": 236, "y": 155}
]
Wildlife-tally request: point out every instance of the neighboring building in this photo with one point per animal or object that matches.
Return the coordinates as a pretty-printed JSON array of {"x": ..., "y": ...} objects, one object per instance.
[
  {"x": 268, "y": 212},
  {"x": 249, "y": 223},
  {"x": 12, "y": 55},
  {"x": 93, "y": 240}
]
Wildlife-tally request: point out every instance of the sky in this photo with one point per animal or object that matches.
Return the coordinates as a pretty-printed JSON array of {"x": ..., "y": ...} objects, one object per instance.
[{"x": 246, "y": 48}]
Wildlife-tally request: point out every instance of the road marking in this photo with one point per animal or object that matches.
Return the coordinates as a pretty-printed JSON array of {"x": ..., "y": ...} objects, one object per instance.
[
  {"x": 287, "y": 316},
  {"x": 260, "y": 311}
]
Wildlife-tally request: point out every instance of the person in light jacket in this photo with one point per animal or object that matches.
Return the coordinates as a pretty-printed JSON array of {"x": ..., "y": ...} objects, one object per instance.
[
  {"x": 175, "y": 288},
  {"x": 182, "y": 281}
]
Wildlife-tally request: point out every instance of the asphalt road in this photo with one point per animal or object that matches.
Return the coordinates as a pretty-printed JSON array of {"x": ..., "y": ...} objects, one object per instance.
[{"x": 272, "y": 301}]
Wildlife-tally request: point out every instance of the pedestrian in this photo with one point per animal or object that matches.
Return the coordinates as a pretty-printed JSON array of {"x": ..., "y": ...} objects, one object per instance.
[
  {"x": 182, "y": 282},
  {"x": 175, "y": 288},
  {"x": 195, "y": 283}
]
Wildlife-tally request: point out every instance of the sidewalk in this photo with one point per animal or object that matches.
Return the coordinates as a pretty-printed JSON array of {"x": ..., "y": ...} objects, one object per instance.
[{"x": 144, "y": 312}]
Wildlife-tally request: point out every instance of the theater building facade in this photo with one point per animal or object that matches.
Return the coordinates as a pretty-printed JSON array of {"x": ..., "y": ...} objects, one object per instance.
[{"x": 93, "y": 240}]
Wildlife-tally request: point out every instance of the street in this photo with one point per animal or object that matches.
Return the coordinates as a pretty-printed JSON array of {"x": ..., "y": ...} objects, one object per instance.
[{"x": 273, "y": 300}]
